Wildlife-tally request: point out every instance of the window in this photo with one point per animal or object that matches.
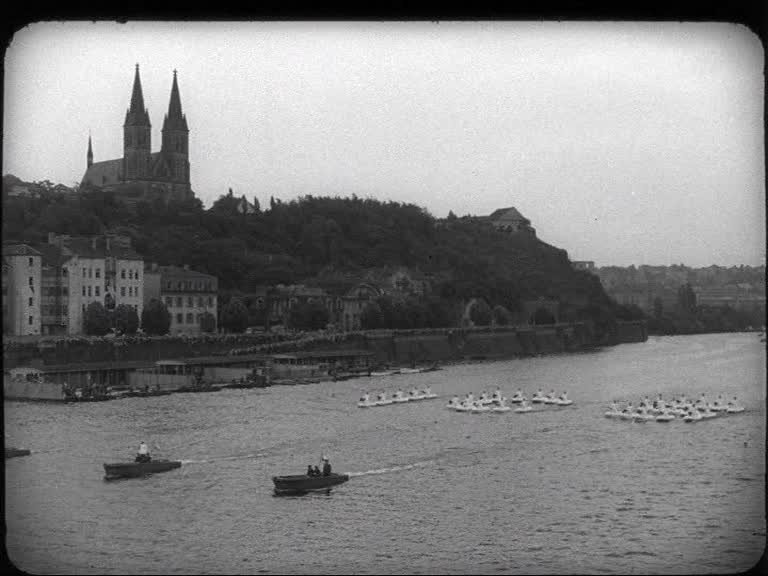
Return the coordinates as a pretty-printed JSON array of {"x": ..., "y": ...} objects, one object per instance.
[
  {"x": 98, "y": 272},
  {"x": 97, "y": 288},
  {"x": 89, "y": 290},
  {"x": 83, "y": 290},
  {"x": 199, "y": 318},
  {"x": 122, "y": 291},
  {"x": 31, "y": 320},
  {"x": 90, "y": 272},
  {"x": 83, "y": 304},
  {"x": 63, "y": 271},
  {"x": 64, "y": 291},
  {"x": 137, "y": 274},
  {"x": 179, "y": 318},
  {"x": 168, "y": 301},
  {"x": 189, "y": 301},
  {"x": 190, "y": 318},
  {"x": 31, "y": 261},
  {"x": 130, "y": 274},
  {"x": 31, "y": 281},
  {"x": 83, "y": 272},
  {"x": 122, "y": 273},
  {"x": 31, "y": 301},
  {"x": 178, "y": 302},
  {"x": 199, "y": 301},
  {"x": 210, "y": 301}
]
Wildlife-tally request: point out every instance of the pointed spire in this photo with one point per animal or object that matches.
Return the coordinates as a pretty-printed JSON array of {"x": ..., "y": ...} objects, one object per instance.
[
  {"x": 90, "y": 150},
  {"x": 137, "y": 113},
  {"x": 175, "y": 119}
]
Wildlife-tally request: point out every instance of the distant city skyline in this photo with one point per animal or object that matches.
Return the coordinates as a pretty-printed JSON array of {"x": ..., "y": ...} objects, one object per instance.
[{"x": 623, "y": 143}]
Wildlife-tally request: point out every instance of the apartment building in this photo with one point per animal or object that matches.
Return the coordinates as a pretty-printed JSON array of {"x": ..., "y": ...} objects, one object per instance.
[
  {"x": 187, "y": 294},
  {"x": 22, "y": 273}
]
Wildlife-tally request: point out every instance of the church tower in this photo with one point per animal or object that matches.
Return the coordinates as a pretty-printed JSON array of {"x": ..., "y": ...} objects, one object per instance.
[
  {"x": 137, "y": 135},
  {"x": 175, "y": 147},
  {"x": 90, "y": 152}
]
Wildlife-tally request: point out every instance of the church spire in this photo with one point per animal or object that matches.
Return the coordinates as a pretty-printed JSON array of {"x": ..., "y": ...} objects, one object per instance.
[
  {"x": 175, "y": 119},
  {"x": 137, "y": 114},
  {"x": 90, "y": 150}
]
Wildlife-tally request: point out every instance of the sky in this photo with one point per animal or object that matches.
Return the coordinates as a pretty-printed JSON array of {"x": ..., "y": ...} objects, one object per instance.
[{"x": 623, "y": 143}]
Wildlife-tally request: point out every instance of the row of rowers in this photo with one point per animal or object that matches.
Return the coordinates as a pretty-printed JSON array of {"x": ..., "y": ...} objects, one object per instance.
[
  {"x": 663, "y": 411},
  {"x": 497, "y": 401},
  {"x": 383, "y": 399}
]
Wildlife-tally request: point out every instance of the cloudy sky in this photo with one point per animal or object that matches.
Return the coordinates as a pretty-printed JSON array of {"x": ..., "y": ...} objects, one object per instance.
[{"x": 623, "y": 143}]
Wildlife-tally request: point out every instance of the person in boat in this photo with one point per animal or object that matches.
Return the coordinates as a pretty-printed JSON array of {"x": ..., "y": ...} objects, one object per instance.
[
  {"x": 564, "y": 396},
  {"x": 143, "y": 453},
  {"x": 315, "y": 471},
  {"x": 326, "y": 467},
  {"x": 310, "y": 472}
]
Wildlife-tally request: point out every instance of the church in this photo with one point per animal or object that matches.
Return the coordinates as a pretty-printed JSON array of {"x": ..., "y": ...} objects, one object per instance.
[{"x": 141, "y": 173}]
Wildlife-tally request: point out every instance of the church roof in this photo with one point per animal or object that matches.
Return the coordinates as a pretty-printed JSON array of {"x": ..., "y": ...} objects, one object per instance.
[
  {"x": 137, "y": 114},
  {"x": 19, "y": 250},
  {"x": 104, "y": 173},
  {"x": 175, "y": 119}
]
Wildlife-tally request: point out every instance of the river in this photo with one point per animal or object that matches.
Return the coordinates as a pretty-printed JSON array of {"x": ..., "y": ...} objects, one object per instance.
[{"x": 559, "y": 490}]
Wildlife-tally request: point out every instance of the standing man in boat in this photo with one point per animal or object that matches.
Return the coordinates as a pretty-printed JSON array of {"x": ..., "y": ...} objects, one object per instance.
[
  {"x": 326, "y": 466},
  {"x": 143, "y": 453}
]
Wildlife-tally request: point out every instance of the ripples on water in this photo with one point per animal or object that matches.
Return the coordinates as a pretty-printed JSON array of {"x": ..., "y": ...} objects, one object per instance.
[{"x": 561, "y": 490}]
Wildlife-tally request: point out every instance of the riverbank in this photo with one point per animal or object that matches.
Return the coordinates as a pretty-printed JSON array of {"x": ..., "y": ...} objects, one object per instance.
[{"x": 394, "y": 347}]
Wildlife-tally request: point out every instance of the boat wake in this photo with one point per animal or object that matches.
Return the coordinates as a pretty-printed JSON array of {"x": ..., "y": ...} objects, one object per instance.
[{"x": 390, "y": 469}]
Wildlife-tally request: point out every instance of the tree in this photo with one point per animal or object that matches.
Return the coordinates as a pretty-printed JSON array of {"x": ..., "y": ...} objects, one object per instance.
[
  {"x": 126, "y": 319},
  {"x": 543, "y": 316},
  {"x": 208, "y": 322},
  {"x": 501, "y": 315},
  {"x": 234, "y": 316},
  {"x": 155, "y": 318},
  {"x": 480, "y": 313},
  {"x": 371, "y": 317},
  {"x": 686, "y": 299},
  {"x": 308, "y": 316},
  {"x": 96, "y": 320},
  {"x": 658, "y": 307}
]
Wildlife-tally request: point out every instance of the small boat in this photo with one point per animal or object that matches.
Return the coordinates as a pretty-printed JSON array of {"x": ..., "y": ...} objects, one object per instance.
[
  {"x": 517, "y": 398},
  {"x": 709, "y": 414},
  {"x": 384, "y": 372},
  {"x": 427, "y": 392},
  {"x": 14, "y": 452},
  {"x": 501, "y": 407},
  {"x": 550, "y": 398},
  {"x": 301, "y": 483},
  {"x": 409, "y": 371},
  {"x": 734, "y": 409},
  {"x": 626, "y": 414},
  {"x": 138, "y": 469},
  {"x": 484, "y": 399},
  {"x": 563, "y": 400},
  {"x": 399, "y": 397},
  {"x": 382, "y": 400},
  {"x": 366, "y": 402},
  {"x": 693, "y": 416},
  {"x": 463, "y": 406},
  {"x": 453, "y": 402},
  {"x": 478, "y": 407},
  {"x": 642, "y": 416},
  {"x": 665, "y": 417},
  {"x": 612, "y": 414},
  {"x": 524, "y": 408},
  {"x": 416, "y": 395},
  {"x": 538, "y": 397}
]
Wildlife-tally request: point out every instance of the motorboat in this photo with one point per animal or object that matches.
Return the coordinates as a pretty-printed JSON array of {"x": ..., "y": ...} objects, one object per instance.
[
  {"x": 538, "y": 397},
  {"x": 398, "y": 397},
  {"x": 138, "y": 469},
  {"x": 301, "y": 483},
  {"x": 15, "y": 452},
  {"x": 550, "y": 398},
  {"x": 518, "y": 397},
  {"x": 665, "y": 417},
  {"x": 477, "y": 407},
  {"x": 366, "y": 402}
]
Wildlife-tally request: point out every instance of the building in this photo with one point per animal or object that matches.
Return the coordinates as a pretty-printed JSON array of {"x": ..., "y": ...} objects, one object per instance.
[
  {"x": 587, "y": 265},
  {"x": 510, "y": 220},
  {"x": 163, "y": 174},
  {"x": 104, "y": 269},
  {"x": 187, "y": 295},
  {"x": 22, "y": 273}
]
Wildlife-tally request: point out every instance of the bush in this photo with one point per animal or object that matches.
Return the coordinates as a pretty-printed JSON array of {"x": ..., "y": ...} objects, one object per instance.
[
  {"x": 208, "y": 322},
  {"x": 308, "y": 316},
  {"x": 234, "y": 316},
  {"x": 501, "y": 316},
  {"x": 480, "y": 313},
  {"x": 126, "y": 319},
  {"x": 96, "y": 320},
  {"x": 155, "y": 318}
]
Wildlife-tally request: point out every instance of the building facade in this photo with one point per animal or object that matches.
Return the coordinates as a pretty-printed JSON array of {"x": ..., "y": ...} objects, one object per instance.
[
  {"x": 187, "y": 295},
  {"x": 164, "y": 174},
  {"x": 23, "y": 274}
]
